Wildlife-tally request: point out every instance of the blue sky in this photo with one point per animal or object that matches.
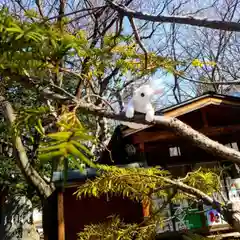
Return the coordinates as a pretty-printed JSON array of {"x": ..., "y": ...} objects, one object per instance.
[{"x": 157, "y": 79}]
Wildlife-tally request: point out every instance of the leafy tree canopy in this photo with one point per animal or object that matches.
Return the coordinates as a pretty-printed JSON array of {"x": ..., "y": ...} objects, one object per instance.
[{"x": 39, "y": 77}]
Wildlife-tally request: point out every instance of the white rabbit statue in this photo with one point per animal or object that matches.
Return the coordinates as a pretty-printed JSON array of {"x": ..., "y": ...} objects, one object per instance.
[{"x": 141, "y": 102}]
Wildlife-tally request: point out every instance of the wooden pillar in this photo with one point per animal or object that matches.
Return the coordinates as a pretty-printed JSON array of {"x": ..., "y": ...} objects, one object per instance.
[
  {"x": 146, "y": 208},
  {"x": 145, "y": 203},
  {"x": 204, "y": 117},
  {"x": 61, "y": 225},
  {"x": 142, "y": 153},
  {"x": 141, "y": 147}
]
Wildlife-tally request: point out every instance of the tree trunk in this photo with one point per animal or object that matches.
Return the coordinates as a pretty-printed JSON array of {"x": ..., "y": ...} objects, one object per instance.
[
  {"x": 17, "y": 216},
  {"x": 25, "y": 166},
  {"x": 232, "y": 214}
]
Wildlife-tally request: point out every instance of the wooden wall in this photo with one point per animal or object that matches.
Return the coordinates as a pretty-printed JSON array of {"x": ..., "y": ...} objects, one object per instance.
[
  {"x": 160, "y": 153},
  {"x": 78, "y": 213}
]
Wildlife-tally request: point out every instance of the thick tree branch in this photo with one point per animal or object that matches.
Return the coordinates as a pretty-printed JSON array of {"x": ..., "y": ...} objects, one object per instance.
[
  {"x": 207, "y": 23},
  {"x": 229, "y": 211},
  {"x": 21, "y": 157},
  {"x": 173, "y": 124},
  {"x": 176, "y": 126},
  {"x": 190, "y": 190}
]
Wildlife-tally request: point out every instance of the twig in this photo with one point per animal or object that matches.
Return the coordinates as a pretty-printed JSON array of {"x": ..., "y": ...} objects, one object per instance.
[
  {"x": 97, "y": 96},
  {"x": 119, "y": 29},
  {"x": 210, "y": 83},
  {"x": 188, "y": 174},
  {"x": 23, "y": 8},
  {"x": 79, "y": 76},
  {"x": 139, "y": 40},
  {"x": 72, "y": 13},
  {"x": 39, "y": 8},
  {"x": 62, "y": 90}
]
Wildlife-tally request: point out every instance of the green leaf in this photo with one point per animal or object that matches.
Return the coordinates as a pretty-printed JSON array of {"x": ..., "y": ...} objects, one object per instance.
[
  {"x": 19, "y": 36},
  {"x": 51, "y": 155},
  {"x": 35, "y": 36},
  {"x": 54, "y": 44},
  {"x": 75, "y": 152},
  {"x": 16, "y": 29},
  {"x": 31, "y": 13},
  {"x": 94, "y": 191},
  {"x": 83, "y": 136},
  {"x": 60, "y": 135},
  {"x": 79, "y": 145},
  {"x": 53, "y": 147},
  {"x": 39, "y": 127},
  {"x": 20, "y": 185}
]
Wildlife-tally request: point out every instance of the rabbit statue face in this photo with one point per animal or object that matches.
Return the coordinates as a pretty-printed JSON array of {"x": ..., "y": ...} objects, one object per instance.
[{"x": 143, "y": 95}]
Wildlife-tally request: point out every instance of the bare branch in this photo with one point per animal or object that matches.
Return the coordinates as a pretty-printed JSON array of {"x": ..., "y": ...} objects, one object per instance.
[
  {"x": 210, "y": 83},
  {"x": 138, "y": 40},
  {"x": 39, "y": 8},
  {"x": 74, "y": 12},
  {"x": 207, "y": 23}
]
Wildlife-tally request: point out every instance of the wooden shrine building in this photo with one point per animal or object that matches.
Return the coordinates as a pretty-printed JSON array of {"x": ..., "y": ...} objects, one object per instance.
[
  {"x": 64, "y": 215},
  {"x": 217, "y": 116}
]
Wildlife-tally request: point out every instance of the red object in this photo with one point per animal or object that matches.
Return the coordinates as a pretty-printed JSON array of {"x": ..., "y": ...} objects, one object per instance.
[{"x": 212, "y": 217}]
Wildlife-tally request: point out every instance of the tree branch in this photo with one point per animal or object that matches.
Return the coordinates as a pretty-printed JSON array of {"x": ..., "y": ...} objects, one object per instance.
[
  {"x": 229, "y": 211},
  {"x": 105, "y": 81},
  {"x": 73, "y": 13},
  {"x": 174, "y": 125},
  {"x": 21, "y": 157},
  {"x": 138, "y": 40},
  {"x": 39, "y": 8},
  {"x": 207, "y": 23},
  {"x": 237, "y": 82}
]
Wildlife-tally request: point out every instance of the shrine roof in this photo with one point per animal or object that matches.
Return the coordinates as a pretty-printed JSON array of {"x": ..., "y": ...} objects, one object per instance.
[{"x": 190, "y": 105}]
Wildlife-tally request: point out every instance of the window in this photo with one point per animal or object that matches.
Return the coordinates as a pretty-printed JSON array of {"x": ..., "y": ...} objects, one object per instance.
[
  {"x": 233, "y": 145},
  {"x": 179, "y": 170},
  {"x": 174, "y": 151}
]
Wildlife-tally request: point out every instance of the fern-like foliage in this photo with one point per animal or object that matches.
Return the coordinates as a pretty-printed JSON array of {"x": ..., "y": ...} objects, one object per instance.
[
  {"x": 140, "y": 183},
  {"x": 133, "y": 183},
  {"x": 204, "y": 179},
  {"x": 30, "y": 118},
  {"x": 68, "y": 142},
  {"x": 35, "y": 49},
  {"x": 115, "y": 228}
]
